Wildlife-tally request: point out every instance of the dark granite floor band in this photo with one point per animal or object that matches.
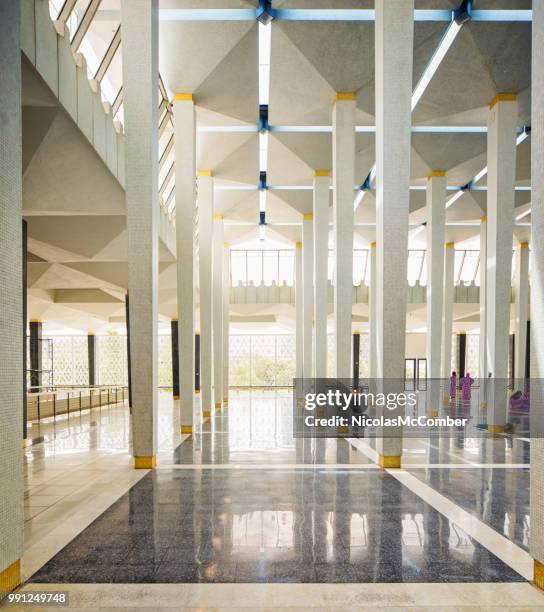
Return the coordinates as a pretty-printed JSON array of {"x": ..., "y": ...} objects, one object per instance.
[{"x": 241, "y": 525}]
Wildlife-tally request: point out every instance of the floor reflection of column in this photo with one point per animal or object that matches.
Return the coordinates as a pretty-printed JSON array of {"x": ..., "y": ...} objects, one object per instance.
[
  {"x": 320, "y": 510},
  {"x": 389, "y": 555},
  {"x": 342, "y": 511}
]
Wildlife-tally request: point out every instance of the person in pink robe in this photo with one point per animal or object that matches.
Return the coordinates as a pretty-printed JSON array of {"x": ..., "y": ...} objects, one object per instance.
[
  {"x": 466, "y": 384},
  {"x": 453, "y": 385}
]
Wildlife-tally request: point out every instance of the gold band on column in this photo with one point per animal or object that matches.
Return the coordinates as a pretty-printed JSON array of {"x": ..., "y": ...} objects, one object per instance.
[
  {"x": 389, "y": 461},
  {"x": 206, "y": 414},
  {"x": 144, "y": 462},
  {"x": 186, "y": 429},
  {"x": 10, "y": 578},
  {"x": 538, "y": 579}
]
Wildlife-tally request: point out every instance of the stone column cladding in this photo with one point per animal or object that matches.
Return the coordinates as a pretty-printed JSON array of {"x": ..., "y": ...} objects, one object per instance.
[
  {"x": 299, "y": 317},
  {"x": 174, "y": 340},
  {"x": 218, "y": 242},
  {"x": 343, "y": 173},
  {"x": 521, "y": 296},
  {"x": 205, "y": 231},
  {"x": 11, "y": 299},
  {"x": 307, "y": 294},
  {"x": 226, "y": 322},
  {"x": 394, "y": 34},
  {"x": 447, "y": 321},
  {"x": 372, "y": 365},
  {"x": 321, "y": 255},
  {"x": 185, "y": 169},
  {"x": 501, "y": 163},
  {"x": 536, "y": 545},
  {"x": 140, "y": 25},
  {"x": 482, "y": 349},
  {"x": 35, "y": 327}
]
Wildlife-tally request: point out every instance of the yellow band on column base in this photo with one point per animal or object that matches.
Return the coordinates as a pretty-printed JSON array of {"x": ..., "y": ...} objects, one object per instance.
[
  {"x": 186, "y": 429},
  {"x": 342, "y": 429},
  {"x": 389, "y": 461},
  {"x": 218, "y": 405},
  {"x": 10, "y": 578},
  {"x": 25, "y": 442},
  {"x": 483, "y": 406},
  {"x": 145, "y": 462},
  {"x": 175, "y": 396},
  {"x": 206, "y": 414},
  {"x": 446, "y": 401},
  {"x": 538, "y": 579},
  {"x": 495, "y": 428},
  {"x": 432, "y": 414},
  {"x": 225, "y": 400}
]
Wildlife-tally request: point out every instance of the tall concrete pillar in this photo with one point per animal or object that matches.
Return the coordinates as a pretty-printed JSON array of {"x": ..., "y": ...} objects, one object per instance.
[
  {"x": 35, "y": 327},
  {"x": 140, "y": 25},
  {"x": 482, "y": 347},
  {"x": 91, "y": 358},
  {"x": 372, "y": 360},
  {"x": 501, "y": 164},
  {"x": 394, "y": 34},
  {"x": 536, "y": 545},
  {"x": 226, "y": 320},
  {"x": 217, "y": 307},
  {"x": 11, "y": 270},
  {"x": 185, "y": 169},
  {"x": 299, "y": 313},
  {"x": 308, "y": 294},
  {"x": 447, "y": 320},
  {"x": 436, "y": 228},
  {"x": 343, "y": 169},
  {"x": 205, "y": 232},
  {"x": 320, "y": 267},
  {"x": 521, "y": 297},
  {"x": 127, "y": 329}
]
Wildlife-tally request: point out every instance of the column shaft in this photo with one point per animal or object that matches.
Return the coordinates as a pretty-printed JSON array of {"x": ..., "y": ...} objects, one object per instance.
[
  {"x": 482, "y": 348},
  {"x": 447, "y": 321},
  {"x": 127, "y": 329},
  {"x": 394, "y": 33},
  {"x": 24, "y": 251},
  {"x": 174, "y": 340},
  {"x": 91, "y": 358},
  {"x": 321, "y": 253},
  {"x": 140, "y": 25},
  {"x": 299, "y": 316},
  {"x": 501, "y": 163},
  {"x": 185, "y": 168},
  {"x": 35, "y": 328},
  {"x": 536, "y": 545},
  {"x": 307, "y": 294},
  {"x": 11, "y": 271},
  {"x": 343, "y": 164},
  {"x": 521, "y": 295},
  {"x": 205, "y": 231},
  {"x": 226, "y": 320},
  {"x": 372, "y": 363},
  {"x": 218, "y": 242}
]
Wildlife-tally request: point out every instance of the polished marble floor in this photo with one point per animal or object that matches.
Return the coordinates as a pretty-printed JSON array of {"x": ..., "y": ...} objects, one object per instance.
[{"x": 243, "y": 502}]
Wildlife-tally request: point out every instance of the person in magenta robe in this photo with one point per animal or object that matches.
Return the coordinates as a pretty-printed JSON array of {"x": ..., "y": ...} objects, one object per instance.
[
  {"x": 453, "y": 385},
  {"x": 466, "y": 384}
]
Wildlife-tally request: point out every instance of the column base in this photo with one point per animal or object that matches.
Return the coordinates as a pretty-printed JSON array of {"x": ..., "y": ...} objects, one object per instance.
[
  {"x": 483, "y": 406},
  {"x": 218, "y": 405},
  {"x": 10, "y": 578},
  {"x": 186, "y": 429},
  {"x": 538, "y": 575},
  {"x": 206, "y": 414},
  {"x": 225, "y": 401},
  {"x": 25, "y": 442},
  {"x": 145, "y": 462},
  {"x": 432, "y": 414},
  {"x": 496, "y": 428},
  {"x": 446, "y": 401},
  {"x": 389, "y": 461},
  {"x": 342, "y": 429},
  {"x": 176, "y": 397}
]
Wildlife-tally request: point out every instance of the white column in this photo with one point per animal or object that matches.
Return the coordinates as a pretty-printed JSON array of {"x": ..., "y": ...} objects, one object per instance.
[
  {"x": 372, "y": 365},
  {"x": 394, "y": 34},
  {"x": 343, "y": 168},
  {"x": 436, "y": 228},
  {"x": 447, "y": 321},
  {"x": 11, "y": 300},
  {"x": 501, "y": 164},
  {"x": 307, "y": 294},
  {"x": 185, "y": 169},
  {"x": 299, "y": 317},
  {"x": 205, "y": 230},
  {"x": 320, "y": 266},
  {"x": 521, "y": 296},
  {"x": 536, "y": 545},
  {"x": 218, "y": 242},
  {"x": 226, "y": 320},
  {"x": 482, "y": 348},
  {"x": 140, "y": 24}
]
